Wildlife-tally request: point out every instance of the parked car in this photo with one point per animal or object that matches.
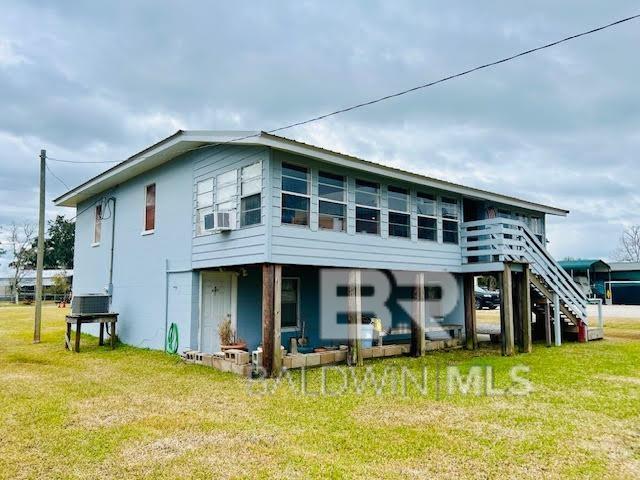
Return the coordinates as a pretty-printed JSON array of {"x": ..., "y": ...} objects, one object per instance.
[{"x": 487, "y": 299}]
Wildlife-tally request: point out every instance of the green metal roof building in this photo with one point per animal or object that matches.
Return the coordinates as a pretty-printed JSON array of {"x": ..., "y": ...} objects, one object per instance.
[{"x": 590, "y": 274}]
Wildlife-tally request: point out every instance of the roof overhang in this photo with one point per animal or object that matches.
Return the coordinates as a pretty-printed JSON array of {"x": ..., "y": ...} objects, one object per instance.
[{"x": 184, "y": 141}]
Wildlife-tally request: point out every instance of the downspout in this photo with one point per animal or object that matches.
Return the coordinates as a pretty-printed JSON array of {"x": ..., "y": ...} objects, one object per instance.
[{"x": 113, "y": 241}]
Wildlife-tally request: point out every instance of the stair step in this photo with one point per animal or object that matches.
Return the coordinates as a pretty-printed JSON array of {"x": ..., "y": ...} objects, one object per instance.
[{"x": 595, "y": 333}]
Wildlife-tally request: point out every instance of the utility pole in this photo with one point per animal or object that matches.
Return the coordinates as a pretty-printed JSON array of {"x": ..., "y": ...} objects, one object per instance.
[{"x": 40, "y": 258}]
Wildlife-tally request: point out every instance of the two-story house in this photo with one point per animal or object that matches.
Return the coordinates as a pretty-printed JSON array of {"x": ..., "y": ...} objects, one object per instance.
[{"x": 254, "y": 227}]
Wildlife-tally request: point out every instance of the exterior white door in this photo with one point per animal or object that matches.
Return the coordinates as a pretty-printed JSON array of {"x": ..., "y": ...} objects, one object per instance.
[{"x": 217, "y": 304}]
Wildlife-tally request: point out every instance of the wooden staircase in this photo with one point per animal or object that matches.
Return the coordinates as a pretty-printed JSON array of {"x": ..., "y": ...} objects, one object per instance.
[{"x": 498, "y": 240}]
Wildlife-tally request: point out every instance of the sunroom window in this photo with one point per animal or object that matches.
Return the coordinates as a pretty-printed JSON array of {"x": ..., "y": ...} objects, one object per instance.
[
  {"x": 295, "y": 194},
  {"x": 204, "y": 206},
  {"x": 367, "y": 218},
  {"x": 331, "y": 205},
  {"x": 426, "y": 207},
  {"x": 449, "y": 208},
  {"x": 250, "y": 195},
  {"x": 399, "y": 219}
]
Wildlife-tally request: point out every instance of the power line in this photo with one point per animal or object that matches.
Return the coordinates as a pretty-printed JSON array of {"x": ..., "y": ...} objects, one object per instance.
[
  {"x": 426, "y": 85},
  {"x": 399, "y": 93},
  {"x": 81, "y": 161},
  {"x": 56, "y": 176},
  {"x": 456, "y": 75}
]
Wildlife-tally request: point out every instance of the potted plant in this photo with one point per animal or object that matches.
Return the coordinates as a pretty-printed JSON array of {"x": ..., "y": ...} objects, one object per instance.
[{"x": 228, "y": 339}]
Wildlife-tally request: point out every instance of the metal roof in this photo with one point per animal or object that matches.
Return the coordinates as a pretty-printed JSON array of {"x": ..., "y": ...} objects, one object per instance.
[
  {"x": 624, "y": 266},
  {"x": 184, "y": 141},
  {"x": 584, "y": 264}
]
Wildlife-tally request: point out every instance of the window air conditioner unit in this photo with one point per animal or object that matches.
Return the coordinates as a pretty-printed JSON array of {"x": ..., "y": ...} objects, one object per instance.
[
  {"x": 224, "y": 221},
  {"x": 91, "y": 303}
]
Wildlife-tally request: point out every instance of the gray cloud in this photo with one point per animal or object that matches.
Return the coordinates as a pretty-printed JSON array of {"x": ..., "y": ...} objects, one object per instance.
[{"x": 96, "y": 81}]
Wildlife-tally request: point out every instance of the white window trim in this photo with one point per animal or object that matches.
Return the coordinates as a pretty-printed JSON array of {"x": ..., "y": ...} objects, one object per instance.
[
  {"x": 378, "y": 208},
  {"x": 343, "y": 202},
  {"x": 296, "y": 194},
  {"x": 406, "y": 212},
  {"x": 297, "y": 327},
  {"x": 150, "y": 231}
]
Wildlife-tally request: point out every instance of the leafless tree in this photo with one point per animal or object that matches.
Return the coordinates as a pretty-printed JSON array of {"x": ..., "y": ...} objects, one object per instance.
[
  {"x": 629, "y": 248},
  {"x": 20, "y": 238}
]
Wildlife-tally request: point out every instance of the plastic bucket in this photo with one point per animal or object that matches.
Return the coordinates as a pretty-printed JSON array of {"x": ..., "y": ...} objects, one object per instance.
[{"x": 366, "y": 335}]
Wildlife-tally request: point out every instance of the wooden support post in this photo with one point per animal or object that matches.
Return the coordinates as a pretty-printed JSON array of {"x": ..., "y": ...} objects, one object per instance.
[
  {"x": 506, "y": 311},
  {"x": 113, "y": 335},
  {"x": 77, "y": 346},
  {"x": 516, "y": 279},
  {"x": 547, "y": 323},
  {"x": 525, "y": 310},
  {"x": 67, "y": 338},
  {"x": 268, "y": 337},
  {"x": 277, "y": 320},
  {"x": 471, "y": 335},
  {"x": 101, "y": 336},
  {"x": 418, "y": 343},
  {"x": 354, "y": 314},
  {"x": 557, "y": 323}
]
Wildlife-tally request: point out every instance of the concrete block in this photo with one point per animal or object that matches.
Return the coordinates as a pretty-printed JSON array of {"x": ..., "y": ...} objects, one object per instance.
[
  {"x": 405, "y": 348},
  {"x": 367, "y": 352},
  {"x": 340, "y": 356},
  {"x": 207, "y": 359},
  {"x": 226, "y": 365},
  {"x": 216, "y": 362},
  {"x": 392, "y": 350},
  {"x": 434, "y": 345},
  {"x": 239, "y": 357},
  {"x": 327, "y": 357},
  {"x": 312, "y": 359},
  {"x": 287, "y": 361},
  {"x": 298, "y": 361},
  {"x": 241, "y": 369},
  {"x": 197, "y": 358},
  {"x": 377, "y": 352}
]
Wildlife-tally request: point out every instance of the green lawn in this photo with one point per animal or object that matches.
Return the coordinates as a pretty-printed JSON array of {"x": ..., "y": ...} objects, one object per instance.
[{"x": 137, "y": 414}]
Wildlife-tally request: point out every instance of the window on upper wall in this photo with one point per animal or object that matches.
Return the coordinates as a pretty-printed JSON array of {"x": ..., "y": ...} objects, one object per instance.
[
  {"x": 449, "y": 209},
  {"x": 536, "y": 227},
  {"x": 295, "y": 194},
  {"x": 399, "y": 219},
  {"x": 332, "y": 202},
  {"x": 97, "y": 225},
  {"x": 289, "y": 303},
  {"x": 226, "y": 191},
  {"x": 426, "y": 207},
  {"x": 367, "y": 207},
  {"x": 250, "y": 195},
  {"x": 204, "y": 206},
  {"x": 150, "y": 208}
]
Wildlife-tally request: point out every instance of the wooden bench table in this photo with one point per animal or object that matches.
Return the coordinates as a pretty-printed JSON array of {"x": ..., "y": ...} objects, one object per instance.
[{"x": 79, "y": 319}]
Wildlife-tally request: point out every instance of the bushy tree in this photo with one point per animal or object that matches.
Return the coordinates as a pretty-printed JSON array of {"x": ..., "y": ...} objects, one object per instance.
[{"x": 58, "y": 245}]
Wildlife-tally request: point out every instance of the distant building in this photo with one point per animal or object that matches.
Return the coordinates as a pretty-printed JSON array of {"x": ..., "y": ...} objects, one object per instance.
[
  {"x": 590, "y": 274},
  {"x": 625, "y": 283},
  {"x": 28, "y": 281}
]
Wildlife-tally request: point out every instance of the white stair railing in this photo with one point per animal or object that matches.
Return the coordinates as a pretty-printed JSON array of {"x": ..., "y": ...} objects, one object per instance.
[{"x": 506, "y": 240}]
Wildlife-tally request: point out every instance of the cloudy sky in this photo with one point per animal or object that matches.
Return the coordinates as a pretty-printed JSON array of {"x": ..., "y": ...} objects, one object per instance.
[{"x": 99, "y": 81}]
